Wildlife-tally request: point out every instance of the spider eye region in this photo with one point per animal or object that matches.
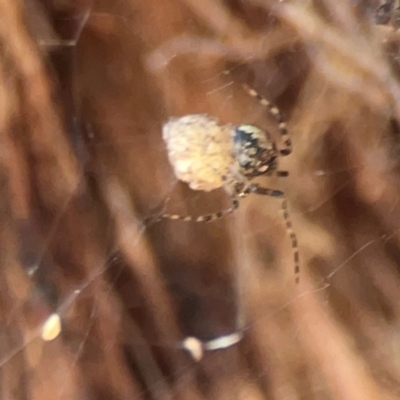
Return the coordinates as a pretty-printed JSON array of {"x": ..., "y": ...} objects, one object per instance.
[{"x": 254, "y": 150}]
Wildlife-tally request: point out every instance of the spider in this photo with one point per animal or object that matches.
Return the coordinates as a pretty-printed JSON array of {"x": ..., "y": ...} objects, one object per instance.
[{"x": 209, "y": 155}]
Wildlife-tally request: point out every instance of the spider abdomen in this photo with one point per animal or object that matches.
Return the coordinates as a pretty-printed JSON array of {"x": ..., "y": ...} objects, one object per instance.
[
  {"x": 254, "y": 151},
  {"x": 200, "y": 150}
]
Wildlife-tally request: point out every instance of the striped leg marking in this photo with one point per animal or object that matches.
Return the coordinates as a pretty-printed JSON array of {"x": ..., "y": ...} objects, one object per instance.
[
  {"x": 201, "y": 218},
  {"x": 293, "y": 238},
  {"x": 254, "y": 188},
  {"x": 277, "y": 115}
]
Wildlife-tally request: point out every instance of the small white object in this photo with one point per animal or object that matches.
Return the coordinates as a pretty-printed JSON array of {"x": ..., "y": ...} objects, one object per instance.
[
  {"x": 51, "y": 327},
  {"x": 196, "y": 347},
  {"x": 223, "y": 342}
]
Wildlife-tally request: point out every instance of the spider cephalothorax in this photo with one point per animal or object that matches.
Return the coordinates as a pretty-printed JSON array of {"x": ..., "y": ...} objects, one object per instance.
[{"x": 254, "y": 151}]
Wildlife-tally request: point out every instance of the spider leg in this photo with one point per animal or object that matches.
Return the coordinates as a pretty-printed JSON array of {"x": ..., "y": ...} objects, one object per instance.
[
  {"x": 275, "y": 112},
  {"x": 254, "y": 188},
  {"x": 201, "y": 218}
]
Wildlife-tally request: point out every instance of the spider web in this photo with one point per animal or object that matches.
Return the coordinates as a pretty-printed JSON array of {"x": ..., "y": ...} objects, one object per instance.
[{"x": 249, "y": 246}]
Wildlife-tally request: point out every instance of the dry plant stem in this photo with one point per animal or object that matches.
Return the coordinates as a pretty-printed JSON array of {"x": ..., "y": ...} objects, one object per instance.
[
  {"x": 331, "y": 350},
  {"x": 108, "y": 331},
  {"x": 236, "y": 43},
  {"x": 140, "y": 351},
  {"x": 45, "y": 134},
  {"x": 266, "y": 338},
  {"x": 236, "y": 35},
  {"x": 239, "y": 51},
  {"x": 361, "y": 55},
  {"x": 343, "y": 15},
  {"x": 15, "y": 166},
  {"x": 133, "y": 245},
  {"x": 218, "y": 19},
  {"x": 55, "y": 176},
  {"x": 12, "y": 324}
]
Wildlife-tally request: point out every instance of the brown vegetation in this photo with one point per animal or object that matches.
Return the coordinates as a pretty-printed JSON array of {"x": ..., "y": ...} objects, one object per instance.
[{"x": 84, "y": 91}]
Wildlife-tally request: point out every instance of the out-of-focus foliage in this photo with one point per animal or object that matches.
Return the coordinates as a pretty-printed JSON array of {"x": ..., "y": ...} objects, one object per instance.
[{"x": 85, "y": 88}]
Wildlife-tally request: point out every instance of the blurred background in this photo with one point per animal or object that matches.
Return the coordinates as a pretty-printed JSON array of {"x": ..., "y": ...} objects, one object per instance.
[{"x": 183, "y": 310}]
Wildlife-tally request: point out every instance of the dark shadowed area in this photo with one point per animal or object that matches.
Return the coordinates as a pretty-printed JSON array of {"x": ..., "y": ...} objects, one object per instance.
[{"x": 98, "y": 301}]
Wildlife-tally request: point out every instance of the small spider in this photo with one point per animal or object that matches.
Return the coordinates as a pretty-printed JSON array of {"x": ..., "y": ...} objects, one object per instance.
[{"x": 208, "y": 155}]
